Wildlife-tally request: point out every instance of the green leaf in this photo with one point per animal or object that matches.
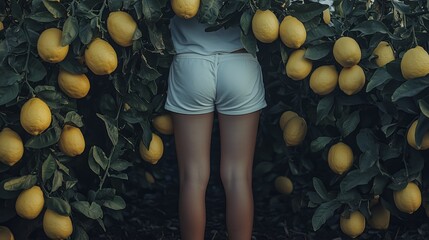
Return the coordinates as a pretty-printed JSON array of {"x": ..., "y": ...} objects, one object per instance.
[
  {"x": 120, "y": 165},
  {"x": 422, "y": 129},
  {"x": 401, "y": 6},
  {"x": 318, "y": 51},
  {"x": 263, "y": 168},
  {"x": 249, "y": 43},
  {"x": 122, "y": 176},
  {"x": 74, "y": 118},
  {"x": 85, "y": 32},
  {"x": 105, "y": 194},
  {"x": 411, "y": 88},
  {"x": 8, "y": 93},
  {"x": 8, "y": 76},
  {"x": 114, "y": 5},
  {"x": 380, "y": 77},
  {"x": 92, "y": 211},
  {"x": 209, "y": 11},
  {"x": 320, "y": 188},
  {"x": 156, "y": 37},
  {"x": 99, "y": 157},
  {"x": 59, "y": 205},
  {"x": 46, "y": 139},
  {"x": 93, "y": 165},
  {"x": 36, "y": 70},
  {"x": 424, "y": 106},
  {"x": 111, "y": 127},
  {"x": 367, "y": 159},
  {"x": 350, "y": 123},
  {"x": 320, "y": 143},
  {"x": 70, "y": 30},
  {"x": 246, "y": 22},
  {"x": 147, "y": 132},
  {"x": 380, "y": 183},
  {"x": 117, "y": 203},
  {"x": 358, "y": 177},
  {"x": 55, "y": 8},
  {"x": 324, "y": 107},
  {"x": 42, "y": 17},
  {"x": 306, "y": 12},
  {"x": 366, "y": 140},
  {"x": 370, "y": 27},
  {"x": 151, "y": 10},
  {"x": 48, "y": 168},
  {"x": 57, "y": 182},
  {"x": 323, "y": 213},
  {"x": 20, "y": 183},
  {"x": 78, "y": 232},
  {"x": 319, "y": 32}
]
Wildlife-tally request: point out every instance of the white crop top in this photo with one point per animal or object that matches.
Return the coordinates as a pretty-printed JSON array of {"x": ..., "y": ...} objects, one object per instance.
[{"x": 189, "y": 36}]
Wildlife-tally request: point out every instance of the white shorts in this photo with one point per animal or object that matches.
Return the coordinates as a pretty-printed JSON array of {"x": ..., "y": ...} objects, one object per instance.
[{"x": 231, "y": 83}]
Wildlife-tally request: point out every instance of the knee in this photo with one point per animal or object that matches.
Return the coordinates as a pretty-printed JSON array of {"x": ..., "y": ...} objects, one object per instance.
[
  {"x": 233, "y": 178},
  {"x": 196, "y": 179}
]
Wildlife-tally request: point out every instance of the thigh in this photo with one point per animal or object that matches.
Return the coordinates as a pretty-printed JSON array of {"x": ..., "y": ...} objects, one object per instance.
[
  {"x": 238, "y": 138},
  {"x": 192, "y": 138}
]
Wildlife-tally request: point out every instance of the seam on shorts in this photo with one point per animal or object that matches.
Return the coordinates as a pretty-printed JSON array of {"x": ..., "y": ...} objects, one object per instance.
[{"x": 182, "y": 111}]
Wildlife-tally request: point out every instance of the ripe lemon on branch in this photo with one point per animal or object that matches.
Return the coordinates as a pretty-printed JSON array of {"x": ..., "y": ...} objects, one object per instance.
[
  {"x": 295, "y": 130},
  {"x": 283, "y": 185},
  {"x": 351, "y": 80},
  {"x": 30, "y": 203},
  {"x": 11, "y": 147},
  {"x": 155, "y": 150},
  {"x": 73, "y": 85},
  {"x": 292, "y": 32},
  {"x": 415, "y": 63},
  {"x": 285, "y": 117},
  {"x": 121, "y": 27},
  {"x": 72, "y": 142},
  {"x": 411, "y": 137},
  {"x": 57, "y": 226},
  {"x": 6, "y": 234},
  {"x": 324, "y": 79},
  {"x": 100, "y": 57},
  {"x": 340, "y": 158},
  {"x": 409, "y": 199},
  {"x": 163, "y": 124},
  {"x": 35, "y": 116},
  {"x": 380, "y": 218},
  {"x": 298, "y": 67},
  {"x": 265, "y": 26},
  {"x": 185, "y": 8},
  {"x": 354, "y": 225},
  {"x": 383, "y": 54},
  {"x": 49, "y": 46},
  {"x": 347, "y": 51}
]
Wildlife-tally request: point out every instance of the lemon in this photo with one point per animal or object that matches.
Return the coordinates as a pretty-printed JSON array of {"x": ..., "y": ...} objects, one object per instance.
[
  {"x": 340, "y": 158},
  {"x": 347, "y": 51},
  {"x": 100, "y": 57},
  {"x": 295, "y": 131},
  {"x": 1, "y": 25},
  {"x": 11, "y": 147},
  {"x": 409, "y": 199},
  {"x": 411, "y": 137},
  {"x": 149, "y": 177},
  {"x": 35, "y": 116},
  {"x": 383, "y": 54},
  {"x": 121, "y": 27},
  {"x": 354, "y": 225},
  {"x": 285, "y": 117},
  {"x": 155, "y": 151},
  {"x": 57, "y": 226},
  {"x": 298, "y": 67},
  {"x": 415, "y": 63},
  {"x": 185, "y": 8},
  {"x": 351, "y": 80},
  {"x": 73, "y": 85},
  {"x": 292, "y": 32},
  {"x": 324, "y": 79},
  {"x": 5, "y": 233},
  {"x": 326, "y": 16},
  {"x": 30, "y": 203},
  {"x": 380, "y": 218},
  {"x": 72, "y": 142},
  {"x": 163, "y": 124},
  {"x": 265, "y": 26},
  {"x": 283, "y": 185},
  {"x": 49, "y": 46},
  {"x": 127, "y": 107}
]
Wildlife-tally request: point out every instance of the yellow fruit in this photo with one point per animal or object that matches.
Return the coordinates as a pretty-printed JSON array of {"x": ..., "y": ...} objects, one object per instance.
[
  {"x": 127, "y": 107},
  {"x": 292, "y": 32},
  {"x": 1, "y": 26},
  {"x": 30, "y": 203},
  {"x": 324, "y": 79},
  {"x": 121, "y": 27},
  {"x": 415, "y": 63},
  {"x": 380, "y": 218},
  {"x": 185, "y": 8},
  {"x": 354, "y": 225},
  {"x": 100, "y": 57},
  {"x": 285, "y": 117},
  {"x": 49, "y": 46},
  {"x": 72, "y": 142},
  {"x": 409, "y": 199},
  {"x": 411, "y": 137},
  {"x": 5, "y": 233},
  {"x": 35, "y": 116},
  {"x": 73, "y": 85},
  {"x": 383, "y": 54},
  {"x": 340, "y": 158},
  {"x": 295, "y": 131},
  {"x": 298, "y": 67},
  {"x": 326, "y": 16},
  {"x": 347, "y": 51},
  {"x": 265, "y": 26},
  {"x": 163, "y": 124},
  {"x": 149, "y": 177},
  {"x": 283, "y": 185},
  {"x": 155, "y": 151},
  {"x": 11, "y": 147},
  {"x": 351, "y": 80},
  {"x": 57, "y": 226}
]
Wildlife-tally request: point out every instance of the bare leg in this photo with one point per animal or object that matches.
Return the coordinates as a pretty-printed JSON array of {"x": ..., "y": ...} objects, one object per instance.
[
  {"x": 192, "y": 137},
  {"x": 238, "y": 137}
]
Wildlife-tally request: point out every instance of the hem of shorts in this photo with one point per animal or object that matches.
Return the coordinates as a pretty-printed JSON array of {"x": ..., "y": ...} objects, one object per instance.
[
  {"x": 182, "y": 111},
  {"x": 242, "y": 112}
]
